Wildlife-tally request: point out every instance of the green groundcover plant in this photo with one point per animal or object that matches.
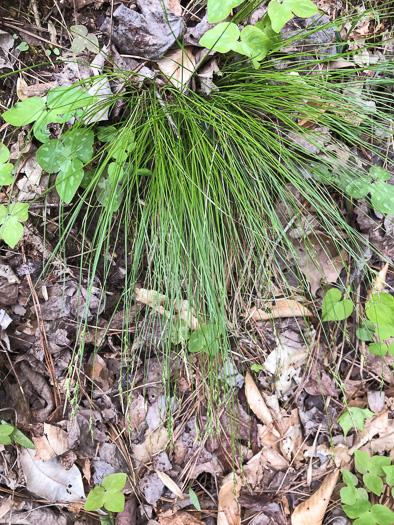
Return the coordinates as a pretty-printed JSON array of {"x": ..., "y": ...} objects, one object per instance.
[
  {"x": 199, "y": 190},
  {"x": 108, "y": 495},
  {"x": 377, "y": 472},
  {"x": 9, "y": 433}
]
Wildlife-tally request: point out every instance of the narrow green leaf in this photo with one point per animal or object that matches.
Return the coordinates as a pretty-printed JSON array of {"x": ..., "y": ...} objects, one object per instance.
[{"x": 194, "y": 499}]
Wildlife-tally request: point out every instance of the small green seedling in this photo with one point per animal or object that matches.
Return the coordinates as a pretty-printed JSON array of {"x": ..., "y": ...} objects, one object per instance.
[
  {"x": 23, "y": 46},
  {"x": 11, "y": 229},
  {"x": 372, "y": 470},
  {"x": 9, "y": 433},
  {"x": 194, "y": 499},
  {"x": 256, "y": 368},
  {"x": 356, "y": 502},
  {"x": 5, "y": 167},
  {"x": 335, "y": 309},
  {"x": 108, "y": 495},
  {"x": 354, "y": 417},
  {"x": 83, "y": 40}
]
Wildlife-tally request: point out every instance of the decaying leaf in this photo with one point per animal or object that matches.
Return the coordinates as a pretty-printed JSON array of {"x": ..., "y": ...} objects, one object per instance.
[
  {"x": 312, "y": 510},
  {"x": 154, "y": 442},
  {"x": 181, "y": 518},
  {"x": 51, "y": 480},
  {"x": 379, "y": 282},
  {"x": 229, "y": 510},
  {"x": 280, "y": 309},
  {"x": 24, "y": 91},
  {"x": 318, "y": 259},
  {"x": 157, "y": 301},
  {"x": 284, "y": 362},
  {"x": 373, "y": 426},
  {"x": 178, "y": 66},
  {"x": 257, "y": 403}
]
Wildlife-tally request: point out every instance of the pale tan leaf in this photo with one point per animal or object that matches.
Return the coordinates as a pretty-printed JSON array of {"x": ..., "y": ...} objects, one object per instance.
[
  {"x": 154, "y": 442},
  {"x": 175, "y": 7},
  {"x": 150, "y": 297},
  {"x": 57, "y": 438},
  {"x": 181, "y": 518},
  {"x": 170, "y": 484},
  {"x": 280, "y": 309},
  {"x": 229, "y": 510},
  {"x": 373, "y": 426},
  {"x": 24, "y": 91},
  {"x": 178, "y": 66},
  {"x": 44, "y": 451},
  {"x": 379, "y": 282},
  {"x": 257, "y": 403},
  {"x": 312, "y": 510}
]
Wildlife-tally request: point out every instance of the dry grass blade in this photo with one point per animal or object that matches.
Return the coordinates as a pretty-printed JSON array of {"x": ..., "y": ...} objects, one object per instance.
[{"x": 312, "y": 510}]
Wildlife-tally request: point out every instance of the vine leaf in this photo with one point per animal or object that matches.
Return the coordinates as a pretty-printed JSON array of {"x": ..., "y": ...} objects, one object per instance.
[
  {"x": 11, "y": 229},
  {"x": 223, "y": 38},
  {"x": 218, "y": 10},
  {"x": 354, "y": 416},
  {"x": 5, "y": 167},
  {"x": 255, "y": 44},
  {"x": 333, "y": 308}
]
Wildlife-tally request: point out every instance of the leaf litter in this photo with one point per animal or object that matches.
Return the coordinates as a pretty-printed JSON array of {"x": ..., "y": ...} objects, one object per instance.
[{"x": 274, "y": 441}]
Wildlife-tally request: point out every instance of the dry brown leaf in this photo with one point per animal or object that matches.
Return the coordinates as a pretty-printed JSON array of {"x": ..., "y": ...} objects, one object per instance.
[
  {"x": 229, "y": 510},
  {"x": 376, "y": 425},
  {"x": 44, "y": 451},
  {"x": 156, "y": 301},
  {"x": 24, "y": 91},
  {"x": 385, "y": 441},
  {"x": 182, "y": 518},
  {"x": 137, "y": 411},
  {"x": 291, "y": 444},
  {"x": 379, "y": 282},
  {"x": 280, "y": 309},
  {"x": 312, "y": 510},
  {"x": 170, "y": 484},
  {"x": 175, "y": 7},
  {"x": 154, "y": 442},
  {"x": 257, "y": 403},
  {"x": 318, "y": 258},
  {"x": 178, "y": 66},
  {"x": 57, "y": 438}
]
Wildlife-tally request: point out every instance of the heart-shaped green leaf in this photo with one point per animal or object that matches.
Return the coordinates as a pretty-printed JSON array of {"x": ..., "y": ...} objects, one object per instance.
[
  {"x": 69, "y": 179},
  {"x": 255, "y": 44},
  {"x": 218, "y": 10},
  {"x": 382, "y": 197},
  {"x": 378, "y": 349},
  {"x": 95, "y": 499},
  {"x": 222, "y": 37},
  {"x": 333, "y": 309}
]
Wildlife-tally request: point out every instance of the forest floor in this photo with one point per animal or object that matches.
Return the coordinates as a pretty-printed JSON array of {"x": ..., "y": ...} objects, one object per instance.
[{"x": 280, "y": 437}]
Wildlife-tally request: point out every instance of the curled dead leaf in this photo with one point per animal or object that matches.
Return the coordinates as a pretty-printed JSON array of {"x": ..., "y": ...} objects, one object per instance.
[
  {"x": 229, "y": 509},
  {"x": 379, "y": 282},
  {"x": 257, "y": 403},
  {"x": 312, "y": 510},
  {"x": 281, "y": 309}
]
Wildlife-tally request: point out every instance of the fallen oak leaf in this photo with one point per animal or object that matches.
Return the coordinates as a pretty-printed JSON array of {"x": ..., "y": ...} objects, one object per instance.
[
  {"x": 281, "y": 309},
  {"x": 313, "y": 509}
]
